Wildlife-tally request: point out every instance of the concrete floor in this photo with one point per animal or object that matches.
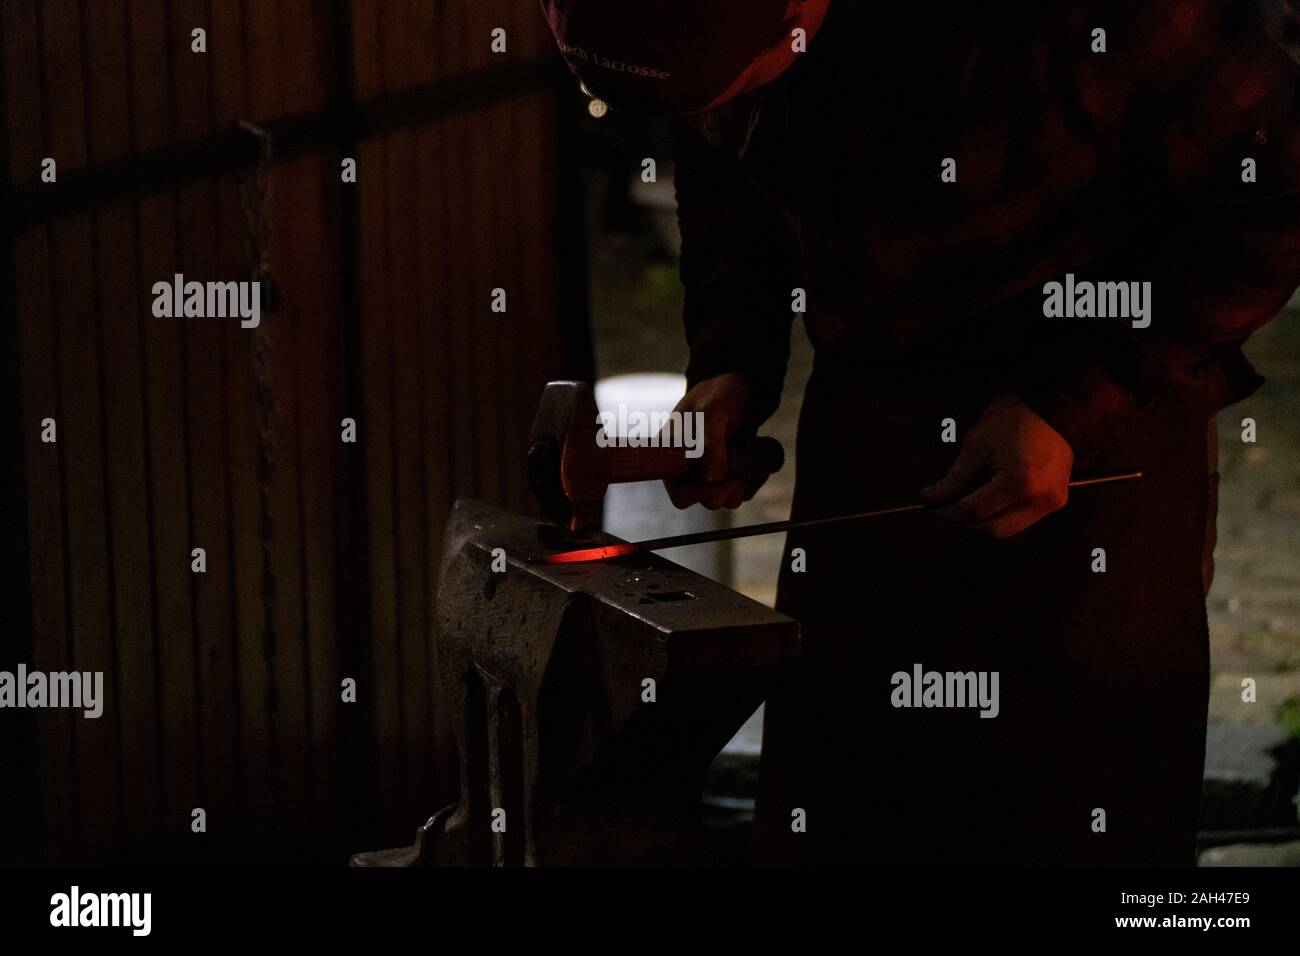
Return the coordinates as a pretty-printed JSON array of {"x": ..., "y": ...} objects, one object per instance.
[{"x": 1254, "y": 605}]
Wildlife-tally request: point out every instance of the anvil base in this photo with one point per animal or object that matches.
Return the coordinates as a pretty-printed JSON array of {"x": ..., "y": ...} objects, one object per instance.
[{"x": 588, "y": 700}]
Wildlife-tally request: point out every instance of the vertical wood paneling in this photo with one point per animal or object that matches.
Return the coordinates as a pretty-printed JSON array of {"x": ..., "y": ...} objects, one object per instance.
[
  {"x": 537, "y": 188},
  {"x": 384, "y": 690},
  {"x": 168, "y": 484},
  {"x": 512, "y": 417},
  {"x": 283, "y": 648},
  {"x": 535, "y": 250},
  {"x": 305, "y": 31},
  {"x": 484, "y": 269},
  {"x": 254, "y": 784},
  {"x": 159, "y": 419},
  {"x": 527, "y": 186},
  {"x": 131, "y": 687},
  {"x": 436, "y": 368},
  {"x": 320, "y": 467},
  {"x": 410, "y": 517},
  {"x": 288, "y": 658},
  {"x": 74, "y": 305},
  {"x": 60, "y": 823},
  {"x": 263, "y": 649},
  {"x": 524, "y": 187},
  {"x": 253, "y": 689},
  {"x": 43, "y": 465},
  {"x": 382, "y": 693},
  {"x": 192, "y": 79},
  {"x": 168, "y": 479},
  {"x": 531, "y": 181},
  {"x": 462, "y": 287},
  {"x": 315, "y": 427}
]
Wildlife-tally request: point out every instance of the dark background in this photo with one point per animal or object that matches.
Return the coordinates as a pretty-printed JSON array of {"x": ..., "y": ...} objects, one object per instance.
[
  {"x": 476, "y": 170},
  {"x": 224, "y": 688}
]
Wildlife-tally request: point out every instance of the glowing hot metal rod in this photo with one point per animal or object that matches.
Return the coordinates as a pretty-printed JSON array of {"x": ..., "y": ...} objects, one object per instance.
[{"x": 623, "y": 548}]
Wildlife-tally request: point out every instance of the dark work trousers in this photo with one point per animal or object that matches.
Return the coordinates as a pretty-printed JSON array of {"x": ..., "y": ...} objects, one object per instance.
[{"x": 1096, "y": 753}]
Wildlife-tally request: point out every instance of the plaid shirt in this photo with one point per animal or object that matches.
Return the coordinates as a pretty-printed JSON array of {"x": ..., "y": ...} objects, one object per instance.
[{"x": 1122, "y": 165}]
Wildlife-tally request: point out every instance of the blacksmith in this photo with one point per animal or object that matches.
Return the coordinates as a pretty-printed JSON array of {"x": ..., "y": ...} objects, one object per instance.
[{"x": 921, "y": 174}]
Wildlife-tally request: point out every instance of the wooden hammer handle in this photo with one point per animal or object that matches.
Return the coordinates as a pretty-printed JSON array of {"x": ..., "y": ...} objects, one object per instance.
[
  {"x": 647, "y": 464},
  {"x": 751, "y": 460}
]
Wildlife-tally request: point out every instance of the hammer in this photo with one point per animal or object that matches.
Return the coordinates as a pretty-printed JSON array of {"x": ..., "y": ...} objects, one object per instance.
[{"x": 568, "y": 470}]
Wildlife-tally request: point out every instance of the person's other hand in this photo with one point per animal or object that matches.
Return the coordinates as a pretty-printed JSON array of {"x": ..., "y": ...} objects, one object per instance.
[
  {"x": 724, "y": 402},
  {"x": 1012, "y": 470}
]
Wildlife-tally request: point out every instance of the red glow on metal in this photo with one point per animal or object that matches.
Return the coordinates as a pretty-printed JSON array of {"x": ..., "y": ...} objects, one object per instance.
[
  {"x": 589, "y": 554},
  {"x": 744, "y": 531}
]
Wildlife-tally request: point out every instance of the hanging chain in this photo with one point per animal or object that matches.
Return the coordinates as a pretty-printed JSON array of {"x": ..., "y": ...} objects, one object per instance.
[
  {"x": 254, "y": 192},
  {"x": 254, "y": 189}
]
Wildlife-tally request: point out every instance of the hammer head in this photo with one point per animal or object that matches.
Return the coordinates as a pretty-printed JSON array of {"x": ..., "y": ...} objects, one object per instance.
[
  {"x": 567, "y": 472},
  {"x": 571, "y": 463}
]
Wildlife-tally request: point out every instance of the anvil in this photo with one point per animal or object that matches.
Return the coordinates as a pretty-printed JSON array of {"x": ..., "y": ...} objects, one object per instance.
[{"x": 588, "y": 700}]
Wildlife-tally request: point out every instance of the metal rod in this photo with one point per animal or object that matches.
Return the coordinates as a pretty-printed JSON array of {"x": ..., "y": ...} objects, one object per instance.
[{"x": 624, "y": 548}]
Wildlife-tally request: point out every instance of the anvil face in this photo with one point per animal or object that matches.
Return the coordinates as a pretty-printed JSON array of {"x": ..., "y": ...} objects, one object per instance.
[
  {"x": 670, "y": 600},
  {"x": 589, "y": 699}
]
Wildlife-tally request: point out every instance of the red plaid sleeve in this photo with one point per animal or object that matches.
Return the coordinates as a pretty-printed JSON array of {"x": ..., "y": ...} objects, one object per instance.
[{"x": 1214, "y": 103}]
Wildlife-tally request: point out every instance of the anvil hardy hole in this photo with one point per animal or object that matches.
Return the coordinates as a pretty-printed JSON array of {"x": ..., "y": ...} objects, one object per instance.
[{"x": 672, "y": 596}]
